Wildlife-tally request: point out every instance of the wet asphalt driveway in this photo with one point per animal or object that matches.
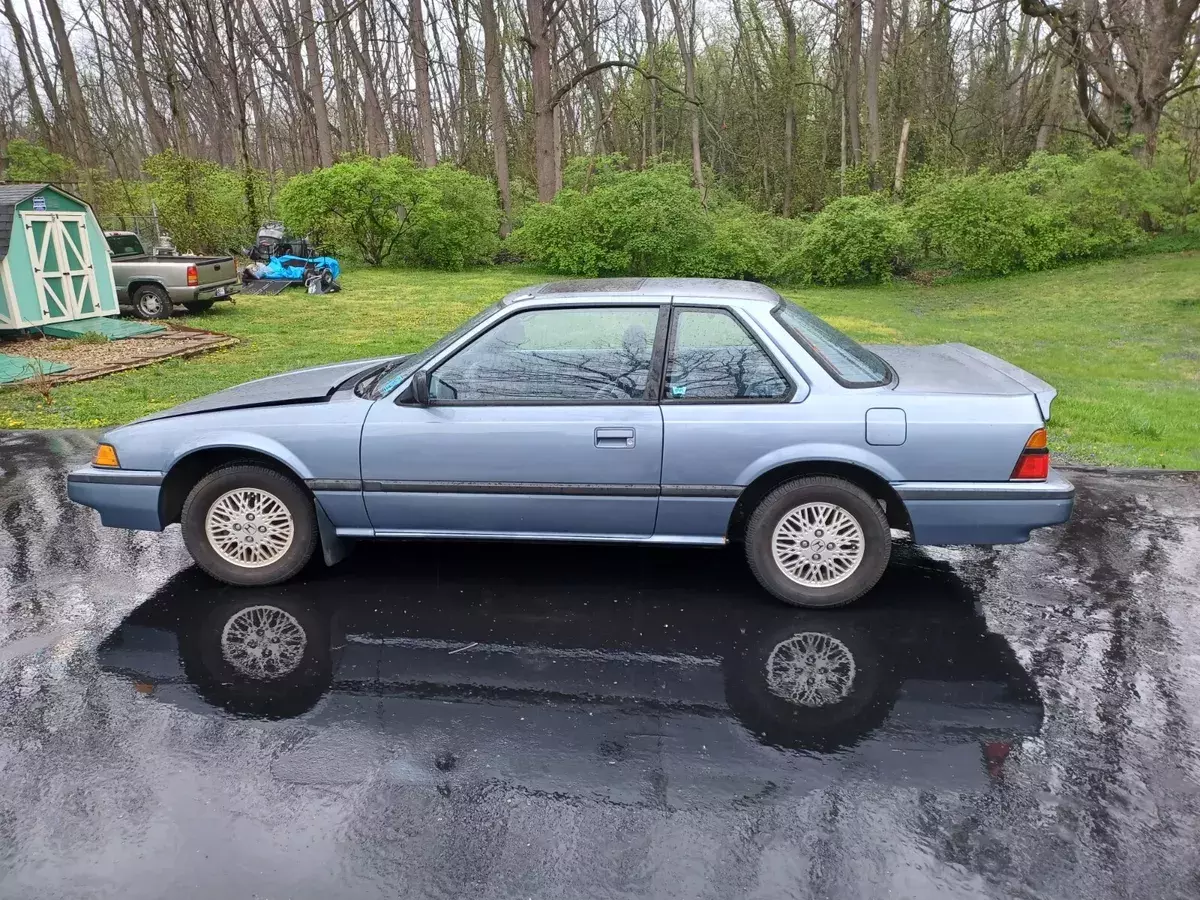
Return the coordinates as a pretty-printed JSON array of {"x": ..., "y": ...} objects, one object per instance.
[{"x": 467, "y": 721}]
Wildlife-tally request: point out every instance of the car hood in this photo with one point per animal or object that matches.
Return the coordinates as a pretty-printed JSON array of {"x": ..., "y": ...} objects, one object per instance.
[{"x": 313, "y": 385}]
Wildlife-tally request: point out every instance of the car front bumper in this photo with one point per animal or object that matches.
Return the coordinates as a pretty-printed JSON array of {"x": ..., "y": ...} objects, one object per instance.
[
  {"x": 1004, "y": 512},
  {"x": 125, "y": 498}
]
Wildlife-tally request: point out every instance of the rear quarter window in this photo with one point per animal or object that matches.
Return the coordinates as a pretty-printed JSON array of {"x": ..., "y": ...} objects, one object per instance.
[{"x": 850, "y": 363}]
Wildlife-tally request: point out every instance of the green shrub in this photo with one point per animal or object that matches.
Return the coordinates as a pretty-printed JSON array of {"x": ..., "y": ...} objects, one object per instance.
[
  {"x": 741, "y": 244},
  {"x": 852, "y": 240},
  {"x": 981, "y": 224},
  {"x": 455, "y": 224},
  {"x": 1053, "y": 209},
  {"x": 26, "y": 161},
  {"x": 648, "y": 222},
  {"x": 389, "y": 210},
  {"x": 200, "y": 204}
]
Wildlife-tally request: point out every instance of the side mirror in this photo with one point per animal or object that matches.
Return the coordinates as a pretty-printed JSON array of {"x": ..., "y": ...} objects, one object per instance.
[{"x": 420, "y": 387}]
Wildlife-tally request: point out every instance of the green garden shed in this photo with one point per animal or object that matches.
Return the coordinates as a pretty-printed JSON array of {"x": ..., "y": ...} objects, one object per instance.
[{"x": 55, "y": 265}]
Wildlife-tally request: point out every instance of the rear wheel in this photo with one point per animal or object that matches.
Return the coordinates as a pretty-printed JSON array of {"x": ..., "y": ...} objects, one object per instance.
[
  {"x": 151, "y": 302},
  {"x": 199, "y": 306},
  {"x": 249, "y": 525},
  {"x": 818, "y": 542}
]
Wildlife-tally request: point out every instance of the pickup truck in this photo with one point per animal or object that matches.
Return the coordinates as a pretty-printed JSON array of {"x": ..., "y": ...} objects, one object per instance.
[{"x": 152, "y": 285}]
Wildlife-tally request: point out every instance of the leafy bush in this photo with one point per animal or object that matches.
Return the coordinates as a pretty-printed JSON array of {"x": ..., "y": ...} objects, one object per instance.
[
  {"x": 389, "y": 210},
  {"x": 648, "y": 222},
  {"x": 200, "y": 204},
  {"x": 455, "y": 224},
  {"x": 1052, "y": 210},
  {"x": 852, "y": 240},
  {"x": 741, "y": 244},
  {"x": 26, "y": 161},
  {"x": 978, "y": 223}
]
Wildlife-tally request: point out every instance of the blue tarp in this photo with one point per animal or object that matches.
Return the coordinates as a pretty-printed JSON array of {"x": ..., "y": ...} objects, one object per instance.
[{"x": 292, "y": 267}]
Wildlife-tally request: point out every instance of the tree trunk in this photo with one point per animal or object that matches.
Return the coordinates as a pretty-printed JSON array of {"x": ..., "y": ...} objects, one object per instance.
[
  {"x": 853, "y": 62},
  {"x": 687, "y": 50},
  {"x": 650, "y": 144},
  {"x": 239, "y": 102},
  {"x": 874, "y": 60},
  {"x": 76, "y": 105},
  {"x": 167, "y": 58},
  {"x": 493, "y": 68},
  {"x": 347, "y": 136},
  {"x": 316, "y": 85},
  {"x": 375, "y": 124},
  {"x": 544, "y": 121},
  {"x": 426, "y": 145},
  {"x": 36, "y": 111},
  {"x": 789, "y": 108},
  {"x": 901, "y": 160},
  {"x": 292, "y": 41},
  {"x": 137, "y": 49}
]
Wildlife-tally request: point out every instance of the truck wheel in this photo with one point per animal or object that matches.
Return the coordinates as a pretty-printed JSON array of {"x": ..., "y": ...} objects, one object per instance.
[
  {"x": 246, "y": 524},
  {"x": 818, "y": 542},
  {"x": 199, "y": 306},
  {"x": 151, "y": 302}
]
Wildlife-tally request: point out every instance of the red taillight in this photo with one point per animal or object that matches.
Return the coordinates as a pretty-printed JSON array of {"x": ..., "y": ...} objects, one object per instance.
[
  {"x": 1034, "y": 462},
  {"x": 193, "y": 276}
]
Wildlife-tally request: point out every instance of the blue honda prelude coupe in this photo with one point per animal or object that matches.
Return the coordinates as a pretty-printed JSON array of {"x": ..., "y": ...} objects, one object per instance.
[{"x": 675, "y": 411}]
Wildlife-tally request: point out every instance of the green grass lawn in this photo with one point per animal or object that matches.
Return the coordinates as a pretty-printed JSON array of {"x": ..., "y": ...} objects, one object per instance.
[{"x": 1120, "y": 340}]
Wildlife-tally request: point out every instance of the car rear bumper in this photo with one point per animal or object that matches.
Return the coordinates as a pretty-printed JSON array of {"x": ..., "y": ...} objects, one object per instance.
[
  {"x": 985, "y": 512},
  {"x": 206, "y": 292},
  {"x": 124, "y": 498}
]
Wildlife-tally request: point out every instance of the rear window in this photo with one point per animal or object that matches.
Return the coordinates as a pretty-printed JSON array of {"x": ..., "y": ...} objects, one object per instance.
[
  {"x": 124, "y": 245},
  {"x": 842, "y": 357}
]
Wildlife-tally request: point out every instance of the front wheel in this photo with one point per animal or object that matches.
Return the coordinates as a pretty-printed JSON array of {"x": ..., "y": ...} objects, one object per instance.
[
  {"x": 249, "y": 525},
  {"x": 818, "y": 542}
]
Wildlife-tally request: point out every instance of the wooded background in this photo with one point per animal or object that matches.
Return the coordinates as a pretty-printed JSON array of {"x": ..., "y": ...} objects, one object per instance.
[{"x": 786, "y": 102}]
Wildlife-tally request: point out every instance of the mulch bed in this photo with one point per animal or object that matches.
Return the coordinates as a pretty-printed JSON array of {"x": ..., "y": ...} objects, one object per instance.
[{"x": 92, "y": 359}]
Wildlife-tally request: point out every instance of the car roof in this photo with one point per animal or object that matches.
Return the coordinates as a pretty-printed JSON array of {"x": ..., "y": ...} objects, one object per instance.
[{"x": 706, "y": 288}]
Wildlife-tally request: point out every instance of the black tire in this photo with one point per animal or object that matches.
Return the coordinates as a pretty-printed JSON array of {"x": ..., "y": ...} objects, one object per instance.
[
  {"x": 199, "y": 306},
  {"x": 279, "y": 679},
  {"x": 802, "y": 709},
  {"x": 151, "y": 302},
  {"x": 877, "y": 541},
  {"x": 215, "y": 485}
]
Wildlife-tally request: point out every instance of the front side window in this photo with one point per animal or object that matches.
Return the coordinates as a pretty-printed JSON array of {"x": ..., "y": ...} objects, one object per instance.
[
  {"x": 713, "y": 357},
  {"x": 576, "y": 355},
  {"x": 841, "y": 356}
]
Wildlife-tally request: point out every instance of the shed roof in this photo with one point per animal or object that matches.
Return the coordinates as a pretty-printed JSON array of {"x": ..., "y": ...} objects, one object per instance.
[{"x": 10, "y": 196}]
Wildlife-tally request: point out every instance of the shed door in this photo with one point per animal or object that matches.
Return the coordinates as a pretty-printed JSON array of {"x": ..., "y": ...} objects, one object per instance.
[{"x": 63, "y": 274}]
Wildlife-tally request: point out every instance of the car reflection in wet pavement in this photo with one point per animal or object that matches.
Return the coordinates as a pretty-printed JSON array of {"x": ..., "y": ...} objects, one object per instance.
[
  {"x": 572, "y": 672},
  {"x": 475, "y": 720}
]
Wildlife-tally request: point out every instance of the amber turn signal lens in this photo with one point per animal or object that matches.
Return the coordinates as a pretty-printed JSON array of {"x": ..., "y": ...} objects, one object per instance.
[
  {"x": 1037, "y": 440},
  {"x": 106, "y": 456}
]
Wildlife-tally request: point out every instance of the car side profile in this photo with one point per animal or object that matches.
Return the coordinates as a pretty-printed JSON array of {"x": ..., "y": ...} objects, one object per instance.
[{"x": 678, "y": 411}]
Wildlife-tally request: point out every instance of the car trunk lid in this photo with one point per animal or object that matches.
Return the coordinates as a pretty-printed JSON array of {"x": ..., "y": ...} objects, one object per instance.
[{"x": 962, "y": 369}]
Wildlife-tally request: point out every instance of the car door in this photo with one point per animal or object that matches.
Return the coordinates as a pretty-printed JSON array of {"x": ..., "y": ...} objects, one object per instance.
[
  {"x": 546, "y": 424},
  {"x": 725, "y": 403}
]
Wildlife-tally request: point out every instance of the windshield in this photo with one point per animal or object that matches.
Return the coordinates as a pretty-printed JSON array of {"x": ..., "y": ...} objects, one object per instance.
[
  {"x": 124, "y": 245},
  {"x": 386, "y": 379},
  {"x": 846, "y": 360}
]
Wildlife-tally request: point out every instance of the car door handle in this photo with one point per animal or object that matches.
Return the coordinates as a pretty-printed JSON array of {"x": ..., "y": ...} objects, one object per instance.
[{"x": 616, "y": 437}]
